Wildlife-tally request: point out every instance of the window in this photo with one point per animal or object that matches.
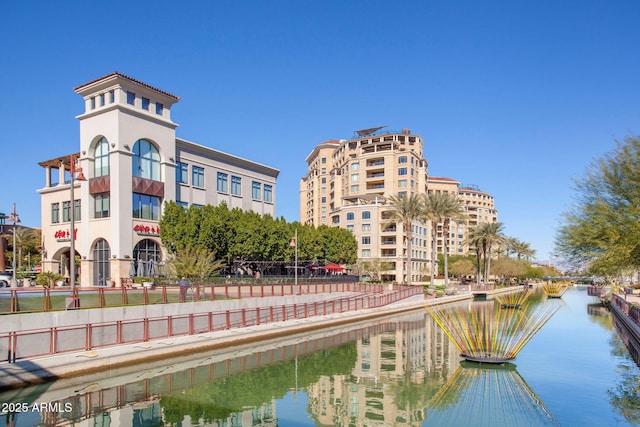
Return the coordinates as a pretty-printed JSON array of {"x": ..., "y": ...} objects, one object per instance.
[
  {"x": 323, "y": 170},
  {"x": 366, "y": 227},
  {"x": 55, "y": 213},
  {"x": 182, "y": 173},
  {"x": 355, "y": 166},
  {"x": 101, "y": 160},
  {"x": 350, "y": 227},
  {"x": 366, "y": 253},
  {"x": 146, "y": 207},
  {"x": 366, "y": 240},
  {"x": 159, "y": 108},
  {"x": 66, "y": 214},
  {"x": 93, "y": 103},
  {"x": 101, "y": 204},
  {"x": 402, "y": 171},
  {"x": 185, "y": 205},
  {"x": 366, "y": 214},
  {"x": 402, "y": 193},
  {"x": 146, "y": 254},
  {"x": 355, "y": 177},
  {"x": 223, "y": 184},
  {"x": 324, "y": 180},
  {"x": 255, "y": 190},
  {"x": 268, "y": 193},
  {"x": 146, "y": 160},
  {"x": 324, "y": 160},
  {"x": 197, "y": 176},
  {"x": 101, "y": 262},
  {"x": 402, "y": 159},
  {"x": 131, "y": 98},
  {"x": 355, "y": 188},
  {"x": 101, "y": 99},
  {"x": 145, "y": 103},
  {"x": 236, "y": 185},
  {"x": 323, "y": 200},
  {"x": 350, "y": 216},
  {"x": 402, "y": 183},
  {"x": 112, "y": 97},
  {"x": 196, "y": 205}
]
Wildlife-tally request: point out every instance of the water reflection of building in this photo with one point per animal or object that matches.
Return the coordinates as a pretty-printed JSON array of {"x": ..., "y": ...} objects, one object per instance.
[{"x": 414, "y": 350}]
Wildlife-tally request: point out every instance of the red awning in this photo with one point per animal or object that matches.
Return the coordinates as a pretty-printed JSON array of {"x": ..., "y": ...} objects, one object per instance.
[{"x": 333, "y": 267}]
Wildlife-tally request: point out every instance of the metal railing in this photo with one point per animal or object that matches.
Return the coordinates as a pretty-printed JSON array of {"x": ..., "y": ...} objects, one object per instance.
[
  {"x": 28, "y": 344},
  {"x": 45, "y": 299}
]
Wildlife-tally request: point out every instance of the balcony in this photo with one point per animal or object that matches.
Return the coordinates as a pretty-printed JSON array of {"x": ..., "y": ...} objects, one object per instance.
[
  {"x": 375, "y": 162},
  {"x": 375, "y": 186}
]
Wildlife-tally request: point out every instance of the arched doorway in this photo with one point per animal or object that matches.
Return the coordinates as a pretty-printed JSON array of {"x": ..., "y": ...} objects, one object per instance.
[
  {"x": 101, "y": 262},
  {"x": 146, "y": 257}
]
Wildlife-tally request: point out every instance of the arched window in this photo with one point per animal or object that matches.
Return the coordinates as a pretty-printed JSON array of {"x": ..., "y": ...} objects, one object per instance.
[
  {"x": 101, "y": 264},
  {"x": 146, "y": 256},
  {"x": 101, "y": 160},
  {"x": 146, "y": 160}
]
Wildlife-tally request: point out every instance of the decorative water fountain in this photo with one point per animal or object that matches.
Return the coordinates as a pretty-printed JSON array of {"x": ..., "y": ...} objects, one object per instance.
[{"x": 486, "y": 333}]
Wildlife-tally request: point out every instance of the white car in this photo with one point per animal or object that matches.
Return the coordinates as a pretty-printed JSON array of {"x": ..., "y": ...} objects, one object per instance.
[{"x": 5, "y": 280}]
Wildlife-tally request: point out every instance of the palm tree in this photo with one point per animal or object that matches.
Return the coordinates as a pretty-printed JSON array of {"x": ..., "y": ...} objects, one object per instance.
[
  {"x": 442, "y": 208},
  {"x": 406, "y": 210},
  {"x": 523, "y": 250},
  {"x": 489, "y": 235},
  {"x": 474, "y": 240}
]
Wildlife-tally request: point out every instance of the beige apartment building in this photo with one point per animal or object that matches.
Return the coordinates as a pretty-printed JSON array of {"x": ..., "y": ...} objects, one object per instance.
[
  {"x": 133, "y": 162},
  {"x": 478, "y": 205},
  {"x": 348, "y": 184}
]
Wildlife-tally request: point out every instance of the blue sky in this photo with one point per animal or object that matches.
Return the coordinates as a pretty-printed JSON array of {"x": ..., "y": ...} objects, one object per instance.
[{"x": 516, "y": 97}]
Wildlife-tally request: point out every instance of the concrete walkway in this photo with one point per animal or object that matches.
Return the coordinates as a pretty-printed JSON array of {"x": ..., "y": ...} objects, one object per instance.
[{"x": 104, "y": 360}]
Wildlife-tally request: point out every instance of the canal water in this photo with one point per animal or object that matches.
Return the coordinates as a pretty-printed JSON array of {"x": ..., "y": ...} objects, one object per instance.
[{"x": 400, "y": 371}]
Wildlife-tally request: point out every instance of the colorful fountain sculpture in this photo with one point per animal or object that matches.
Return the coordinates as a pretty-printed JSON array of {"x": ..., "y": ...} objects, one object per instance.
[{"x": 487, "y": 333}]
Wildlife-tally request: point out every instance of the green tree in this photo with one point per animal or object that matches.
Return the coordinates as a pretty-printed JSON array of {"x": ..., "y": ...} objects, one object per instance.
[
  {"x": 509, "y": 269},
  {"x": 462, "y": 267},
  {"x": 406, "y": 210},
  {"x": 441, "y": 208},
  {"x": 195, "y": 264},
  {"x": 373, "y": 267},
  {"x": 601, "y": 229}
]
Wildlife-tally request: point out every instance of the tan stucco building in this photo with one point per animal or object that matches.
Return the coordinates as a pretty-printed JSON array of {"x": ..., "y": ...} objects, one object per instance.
[
  {"x": 133, "y": 162},
  {"x": 478, "y": 205},
  {"x": 348, "y": 184}
]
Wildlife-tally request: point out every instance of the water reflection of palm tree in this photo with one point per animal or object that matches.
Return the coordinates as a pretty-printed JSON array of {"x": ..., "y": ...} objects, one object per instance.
[{"x": 487, "y": 395}]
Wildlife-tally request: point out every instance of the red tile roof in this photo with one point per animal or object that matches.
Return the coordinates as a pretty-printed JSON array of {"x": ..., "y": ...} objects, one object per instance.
[
  {"x": 128, "y": 78},
  {"x": 436, "y": 178}
]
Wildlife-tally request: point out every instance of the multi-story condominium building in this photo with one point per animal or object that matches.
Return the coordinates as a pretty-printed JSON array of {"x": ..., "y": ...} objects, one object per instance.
[
  {"x": 348, "y": 184},
  {"x": 133, "y": 162},
  {"x": 478, "y": 205}
]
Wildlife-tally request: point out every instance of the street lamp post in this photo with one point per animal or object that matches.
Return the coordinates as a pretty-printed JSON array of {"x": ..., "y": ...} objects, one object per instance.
[
  {"x": 294, "y": 244},
  {"x": 72, "y": 219},
  {"x": 15, "y": 218}
]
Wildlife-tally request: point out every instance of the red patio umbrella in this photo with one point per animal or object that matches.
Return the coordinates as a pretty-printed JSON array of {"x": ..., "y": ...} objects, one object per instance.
[{"x": 333, "y": 267}]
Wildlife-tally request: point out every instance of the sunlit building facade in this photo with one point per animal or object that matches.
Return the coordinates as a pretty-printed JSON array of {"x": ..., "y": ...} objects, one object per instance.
[
  {"x": 478, "y": 206},
  {"x": 133, "y": 163},
  {"x": 348, "y": 184}
]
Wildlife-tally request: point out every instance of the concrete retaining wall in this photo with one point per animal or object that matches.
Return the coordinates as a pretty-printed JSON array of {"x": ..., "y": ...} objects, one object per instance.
[{"x": 45, "y": 320}]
